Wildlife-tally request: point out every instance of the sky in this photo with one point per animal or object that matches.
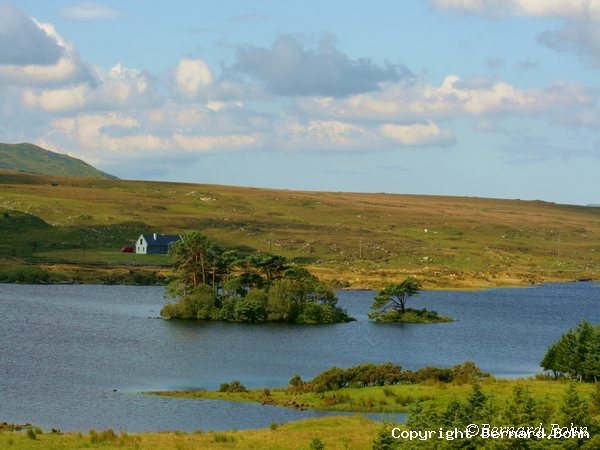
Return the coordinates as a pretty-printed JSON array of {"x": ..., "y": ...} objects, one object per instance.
[{"x": 479, "y": 98}]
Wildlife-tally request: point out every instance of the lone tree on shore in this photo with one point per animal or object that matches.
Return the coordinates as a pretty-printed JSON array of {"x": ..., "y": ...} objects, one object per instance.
[{"x": 394, "y": 297}]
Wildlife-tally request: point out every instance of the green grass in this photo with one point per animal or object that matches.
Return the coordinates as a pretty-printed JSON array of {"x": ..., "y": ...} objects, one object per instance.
[
  {"x": 362, "y": 240},
  {"x": 336, "y": 433},
  {"x": 348, "y": 432},
  {"x": 387, "y": 399}
]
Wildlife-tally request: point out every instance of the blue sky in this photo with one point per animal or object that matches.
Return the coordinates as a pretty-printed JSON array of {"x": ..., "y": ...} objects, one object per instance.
[{"x": 485, "y": 98}]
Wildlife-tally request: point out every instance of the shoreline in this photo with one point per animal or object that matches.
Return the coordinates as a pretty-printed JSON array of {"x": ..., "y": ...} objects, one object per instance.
[
  {"x": 351, "y": 279},
  {"x": 392, "y": 399}
]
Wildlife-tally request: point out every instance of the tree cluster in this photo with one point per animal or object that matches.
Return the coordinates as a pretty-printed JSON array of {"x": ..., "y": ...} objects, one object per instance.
[
  {"x": 234, "y": 386},
  {"x": 211, "y": 283},
  {"x": 576, "y": 354},
  {"x": 520, "y": 410},
  {"x": 386, "y": 374}
]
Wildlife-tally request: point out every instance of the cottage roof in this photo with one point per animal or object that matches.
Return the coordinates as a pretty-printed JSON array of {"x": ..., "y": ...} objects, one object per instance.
[{"x": 161, "y": 239}]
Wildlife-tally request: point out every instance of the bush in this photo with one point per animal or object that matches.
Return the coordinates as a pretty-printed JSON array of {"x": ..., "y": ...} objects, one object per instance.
[
  {"x": 411, "y": 316},
  {"x": 223, "y": 438},
  {"x": 331, "y": 379},
  {"x": 317, "y": 444},
  {"x": 234, "y": 386},
  {"x": 357, "y": 376},
  {"x": 23, "y": 274},
  {"x": 199, "y": 304},
  {"x": 387, "y": 374}
]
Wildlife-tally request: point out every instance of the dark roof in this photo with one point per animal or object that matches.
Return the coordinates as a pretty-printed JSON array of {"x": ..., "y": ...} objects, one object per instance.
[{"x": 161, "y": 239}]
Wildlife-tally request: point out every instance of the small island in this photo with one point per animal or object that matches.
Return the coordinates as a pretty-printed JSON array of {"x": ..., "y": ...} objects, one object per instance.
[
  {"x": 211, "y": 283},
  {"x": 390, "y": 305}
]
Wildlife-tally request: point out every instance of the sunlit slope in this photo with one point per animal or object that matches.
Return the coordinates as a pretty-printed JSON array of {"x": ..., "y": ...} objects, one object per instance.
[
  {"x": 360, "y": 238},
  {"x": 33, "y": 159}
]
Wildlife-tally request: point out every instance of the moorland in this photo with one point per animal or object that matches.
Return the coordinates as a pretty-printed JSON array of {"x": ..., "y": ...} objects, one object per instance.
[{"x": 65, "y": 229}]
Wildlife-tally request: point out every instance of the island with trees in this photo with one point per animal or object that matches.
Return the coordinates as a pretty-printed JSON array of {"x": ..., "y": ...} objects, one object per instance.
[
  {"x": 390, "y": 305},
  {"x": 212, "y": 283}
]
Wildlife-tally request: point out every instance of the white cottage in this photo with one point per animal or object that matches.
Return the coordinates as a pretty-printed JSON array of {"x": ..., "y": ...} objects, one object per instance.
[{"x": 155, "y": 244}]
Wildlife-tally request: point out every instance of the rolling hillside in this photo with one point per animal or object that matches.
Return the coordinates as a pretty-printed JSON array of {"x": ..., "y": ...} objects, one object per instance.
[
  {"x": 362, "y": 240},
  {"x": 33, "y": 159}
]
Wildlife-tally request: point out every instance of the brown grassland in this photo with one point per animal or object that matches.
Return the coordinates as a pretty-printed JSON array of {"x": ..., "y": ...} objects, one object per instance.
[{"x": 359, "y": 240}]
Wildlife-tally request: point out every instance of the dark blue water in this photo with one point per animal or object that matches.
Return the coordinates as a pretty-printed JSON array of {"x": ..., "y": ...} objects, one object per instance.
[{"x": 75, "y": 357}]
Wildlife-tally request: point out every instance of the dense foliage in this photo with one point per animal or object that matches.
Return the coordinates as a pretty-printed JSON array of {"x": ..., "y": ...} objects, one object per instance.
[
  {"x": 210, "y": 283},
  {"x": 12, "y": 273},
  {"x": 370, "y": 374},
  {"x": 519, "y": 411},
  {"x": 576, "y": 354}
]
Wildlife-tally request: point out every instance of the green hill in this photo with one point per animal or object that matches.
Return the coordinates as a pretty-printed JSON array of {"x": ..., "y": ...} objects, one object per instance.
[
  {"x": 33, "y": 159},
  {"x": 365, "y": 240}
]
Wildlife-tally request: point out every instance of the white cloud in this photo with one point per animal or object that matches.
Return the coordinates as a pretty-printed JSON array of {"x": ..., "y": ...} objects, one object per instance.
[
  {"x": 218, "y": 105},
  {"x": 112, "y": 132},
  {"x": 454, "y": 98},
  {"x": 90, "y": 11},
  {"x": 192, "y": 76},
  {"x": 416, "y": 135},
  {"x": 324, "y": 135},
  {"x": 215, "y": 142},
  {"x": 565, "y": 9},
  {"x": 68, "y": 68},
  {"x": 124, "y": 86},
  {"x": 119, "y": 86},
  {"x": 57, "y": 99}
]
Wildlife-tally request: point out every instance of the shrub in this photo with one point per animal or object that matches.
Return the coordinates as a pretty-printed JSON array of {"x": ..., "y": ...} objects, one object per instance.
[
  {"x": 234, "y": 386},
  {"x": 223, "y": 438},
  {"x": 107, "y": 435},
  {"x": 23, "y": 274},
  {"x": 317, "y": 444},
  {"x": 330, "y": 380}
]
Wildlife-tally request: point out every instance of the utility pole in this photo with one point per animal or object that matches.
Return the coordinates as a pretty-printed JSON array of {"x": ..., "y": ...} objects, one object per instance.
[{"x": 558, "y": 249}]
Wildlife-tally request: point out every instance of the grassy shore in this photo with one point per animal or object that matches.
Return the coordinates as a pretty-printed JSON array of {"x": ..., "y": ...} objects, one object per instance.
[
  {"x": 386, "y": 399},
  {"x": 345, "y": 432},
  {"x": 354, "y": 432}
]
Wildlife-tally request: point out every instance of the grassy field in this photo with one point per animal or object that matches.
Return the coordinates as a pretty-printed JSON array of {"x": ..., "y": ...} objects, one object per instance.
[
  {"x": 362, "y": 240},
  {"x": 334, "y": 432}
]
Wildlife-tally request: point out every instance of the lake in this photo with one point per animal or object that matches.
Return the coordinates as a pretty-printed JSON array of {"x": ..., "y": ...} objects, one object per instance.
[{"x": 76, "y": 357}]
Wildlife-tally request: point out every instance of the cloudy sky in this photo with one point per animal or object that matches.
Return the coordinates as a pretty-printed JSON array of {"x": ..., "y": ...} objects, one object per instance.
[{"x": 486, "y": 98}]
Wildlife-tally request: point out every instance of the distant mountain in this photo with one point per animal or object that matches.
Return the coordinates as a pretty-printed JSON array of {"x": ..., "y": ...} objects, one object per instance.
[{"x": 31, "y": 158}]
